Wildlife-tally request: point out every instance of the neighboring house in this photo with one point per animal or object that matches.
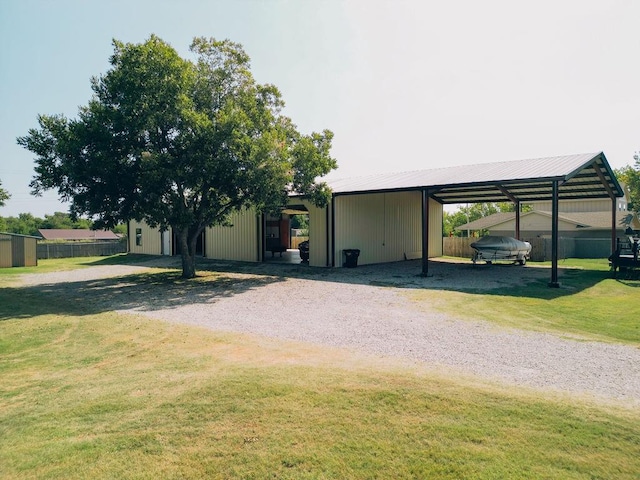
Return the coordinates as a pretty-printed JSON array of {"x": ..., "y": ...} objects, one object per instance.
[
  {"x": 78, "y": 235},
  {"x": 587, "y": 205},
  {"x": 18, "y": 250},
  {"x": 392, "y": 217},
  {"x": 538, "y": 224},
  {"x": 585, "y": 225}
]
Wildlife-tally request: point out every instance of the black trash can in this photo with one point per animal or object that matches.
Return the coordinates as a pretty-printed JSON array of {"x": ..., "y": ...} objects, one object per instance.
[
  {"x": 304, "y": 251},
  {"x": 351, "y": 257}
]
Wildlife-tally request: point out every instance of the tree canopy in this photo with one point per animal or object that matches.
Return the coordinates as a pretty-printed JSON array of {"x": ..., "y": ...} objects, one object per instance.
[
  {"x": 27, "y": 224},
  {"x": 630, "y": 176},
  {"x": 178, "y": 143},
  {"x": 469, "y": 213}
]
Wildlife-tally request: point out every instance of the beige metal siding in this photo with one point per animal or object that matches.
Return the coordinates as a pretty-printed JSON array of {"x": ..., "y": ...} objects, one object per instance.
[
  {"x": 435, "y": 229},
  {"x": 29, "y": 252},
  {"x": 151, "y": 239},
  {"x": 385, "y": 227},
  {"x": 317, "y": 233},
  {"x": 18, "y": 251},
  {"x": 6, "y": 256},
  {"x": 359, "y": 223},
  {"x": 238, "y": 242}
]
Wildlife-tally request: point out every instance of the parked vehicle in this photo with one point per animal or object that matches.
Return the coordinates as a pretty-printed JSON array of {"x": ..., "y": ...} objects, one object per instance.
[
  {"x": 626, "y": 255},
  {"x": 492, "y": 248}
]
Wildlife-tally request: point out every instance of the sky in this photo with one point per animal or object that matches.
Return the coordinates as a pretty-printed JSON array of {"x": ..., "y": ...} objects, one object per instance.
[{"x": 403, "y": 84}]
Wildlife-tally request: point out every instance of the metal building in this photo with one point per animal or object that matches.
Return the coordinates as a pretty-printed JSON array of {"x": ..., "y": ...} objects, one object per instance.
[
  {"x": 18, "y": 250},
  {"x": 391, "y": 217}
]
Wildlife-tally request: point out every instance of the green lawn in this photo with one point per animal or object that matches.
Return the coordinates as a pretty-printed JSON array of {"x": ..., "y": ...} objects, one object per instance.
[
  {"x": 590, "y": 303},
  {"x": 63, "y": 264},
  {"x": 102, "y": 395}
]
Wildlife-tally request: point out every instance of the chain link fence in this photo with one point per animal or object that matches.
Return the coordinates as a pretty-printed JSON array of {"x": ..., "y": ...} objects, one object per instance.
[{"x": 80, "y": 249}]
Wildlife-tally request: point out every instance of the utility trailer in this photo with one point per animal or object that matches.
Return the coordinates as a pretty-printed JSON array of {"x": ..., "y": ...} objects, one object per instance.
[{"x": 626, "y": 255}]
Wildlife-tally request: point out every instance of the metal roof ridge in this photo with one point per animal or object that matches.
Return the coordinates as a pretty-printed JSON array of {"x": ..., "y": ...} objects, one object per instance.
[
  {"x": 20, "y": 235},
  {"x": 592, "y": 156}
]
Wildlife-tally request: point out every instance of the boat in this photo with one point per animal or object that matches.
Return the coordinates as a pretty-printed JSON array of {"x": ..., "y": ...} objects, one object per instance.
[{"x": 492, "y": 248}]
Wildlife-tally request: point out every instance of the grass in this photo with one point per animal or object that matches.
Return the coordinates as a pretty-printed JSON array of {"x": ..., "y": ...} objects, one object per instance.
[
  {"x": 111, "y": 396},
  {"x": 102, "y": 395},
  {"x": 8, "y": 275},
  {"x": 589, "y": 304}
]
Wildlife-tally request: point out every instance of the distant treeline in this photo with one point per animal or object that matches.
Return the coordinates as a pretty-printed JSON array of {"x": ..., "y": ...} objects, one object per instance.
[{"x": 27, "y": 224}]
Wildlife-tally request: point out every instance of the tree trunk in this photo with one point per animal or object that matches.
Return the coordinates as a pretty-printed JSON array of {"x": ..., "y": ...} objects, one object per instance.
[{"x": 187, "y": 252}]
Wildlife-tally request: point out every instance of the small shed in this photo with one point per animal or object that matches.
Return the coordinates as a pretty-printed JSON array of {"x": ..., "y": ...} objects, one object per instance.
[{"x": 18, "y": 250}]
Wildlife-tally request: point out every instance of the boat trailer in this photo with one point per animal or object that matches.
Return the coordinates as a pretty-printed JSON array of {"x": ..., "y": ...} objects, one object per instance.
[{"x": 626, "y": 255}]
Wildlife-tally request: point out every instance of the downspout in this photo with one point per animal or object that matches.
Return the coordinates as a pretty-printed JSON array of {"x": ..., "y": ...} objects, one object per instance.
[
  {"x": 554, "y": 237},
  {"x": 128, "y": 237},
  {"x": 328, "y": 236},
  {"x": 204, "y": 243},
  {"x": 614, "y": 239},
  {"x": 259, "y": 237},
  {"x": 333, "y": 230},
  {"x": 425, "y": 233}
]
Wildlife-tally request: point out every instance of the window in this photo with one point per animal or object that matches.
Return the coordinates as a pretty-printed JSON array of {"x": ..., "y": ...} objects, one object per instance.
[{"x": 139, "y": 237}]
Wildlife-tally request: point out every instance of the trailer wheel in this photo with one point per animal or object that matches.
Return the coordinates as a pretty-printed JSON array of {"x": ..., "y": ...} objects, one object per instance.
[{"x": 522, "y": 261}]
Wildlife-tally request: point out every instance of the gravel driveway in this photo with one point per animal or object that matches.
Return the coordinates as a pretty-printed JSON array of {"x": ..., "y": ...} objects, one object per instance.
[{"x": 367, "y": 309}]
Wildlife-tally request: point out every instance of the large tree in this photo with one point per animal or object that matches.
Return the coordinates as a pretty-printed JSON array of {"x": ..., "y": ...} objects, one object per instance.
[{"x": 178, "y": 143}]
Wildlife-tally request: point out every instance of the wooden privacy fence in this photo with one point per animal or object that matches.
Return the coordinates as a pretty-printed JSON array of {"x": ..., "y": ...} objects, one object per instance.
[
  {"x": 458, "y": 246},
  {"x": 80, "y": 249},
  {"x": 295, "y": 241},
  {"x": 568, "y": 247}
]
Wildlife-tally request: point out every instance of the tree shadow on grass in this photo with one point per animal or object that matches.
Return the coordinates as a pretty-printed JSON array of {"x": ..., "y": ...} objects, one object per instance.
[
  {"x": 503, "y": 279},
  {"x": 165, "y": 289},
  {"x": 571, "y": 282},
  {"x": 146, "y": 291},
  {"x": 629, "y": 277}
]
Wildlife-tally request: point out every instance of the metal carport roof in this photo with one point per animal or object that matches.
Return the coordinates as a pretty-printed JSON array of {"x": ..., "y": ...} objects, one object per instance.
[{"x": 581, "y": 176}]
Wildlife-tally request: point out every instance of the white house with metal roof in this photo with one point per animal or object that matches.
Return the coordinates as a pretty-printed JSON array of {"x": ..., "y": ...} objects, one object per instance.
[{"x": 392, "y": 217}]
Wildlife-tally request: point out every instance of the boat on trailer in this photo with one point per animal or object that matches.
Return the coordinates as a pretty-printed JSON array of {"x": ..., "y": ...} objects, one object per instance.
[{"x": 493, "y": 247}]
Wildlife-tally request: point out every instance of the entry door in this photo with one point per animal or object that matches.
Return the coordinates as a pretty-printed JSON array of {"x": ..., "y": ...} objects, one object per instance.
[{"x": 166, "y": 243}]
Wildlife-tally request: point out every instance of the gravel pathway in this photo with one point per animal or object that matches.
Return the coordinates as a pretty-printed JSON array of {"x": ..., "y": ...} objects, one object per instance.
[{"x": 366, "y": 309}]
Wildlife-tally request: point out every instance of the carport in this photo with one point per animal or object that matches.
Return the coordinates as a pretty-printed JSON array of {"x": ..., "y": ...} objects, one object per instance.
[{"x": 575, "y": 177}]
